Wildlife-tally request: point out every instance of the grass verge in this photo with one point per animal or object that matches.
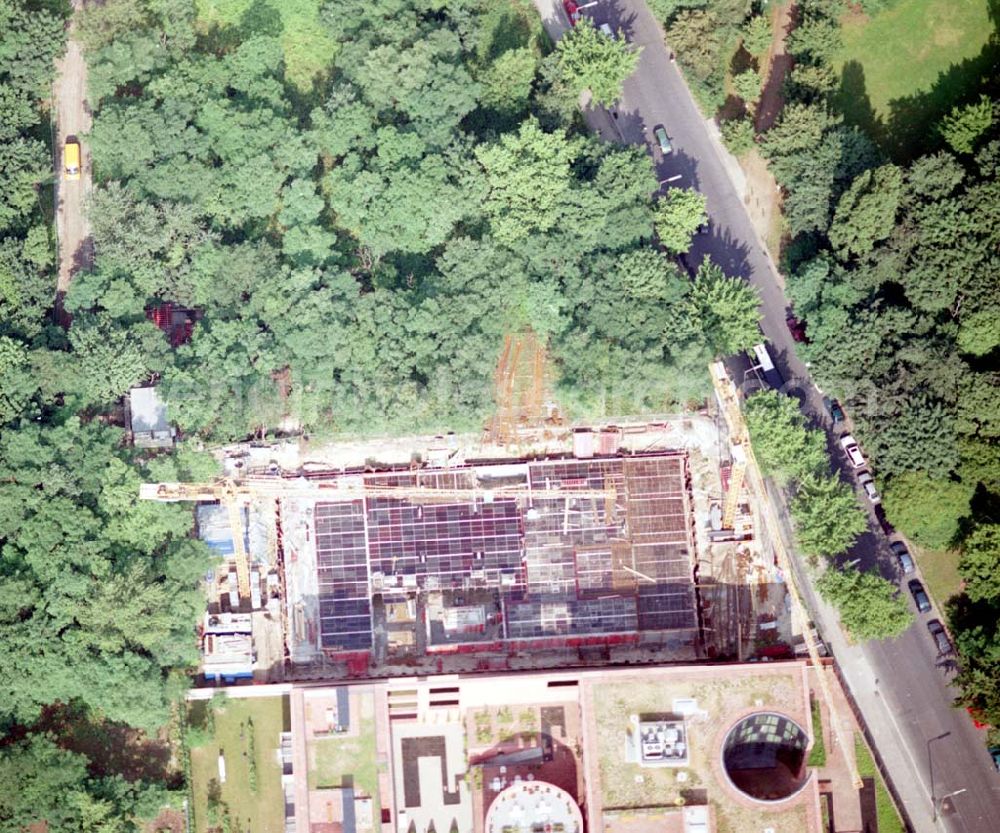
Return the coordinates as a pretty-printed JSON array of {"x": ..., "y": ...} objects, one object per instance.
[
  {"x": 817, "y": 755},
  {"x": 888, "y": 818},
  {"x": 251, "y": 798},
  {"x": 939, "y": 569},
  {"x": 340, "y": 759}
]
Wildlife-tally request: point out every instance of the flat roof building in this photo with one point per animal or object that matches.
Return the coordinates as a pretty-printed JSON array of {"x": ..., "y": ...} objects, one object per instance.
[
  {"x": 148, "y": 419},
  {"x": 227, "y": 647}
]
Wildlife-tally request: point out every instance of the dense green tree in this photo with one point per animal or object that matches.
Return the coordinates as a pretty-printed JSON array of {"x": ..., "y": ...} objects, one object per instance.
[
  {"x": 665, "y": 10},
  {"x": 419, "y": 75},
  {"x": 866, "y": 213},
  {"x": 41, "y": 783},
  {"x": 679, "y": 213},
  {"x": 739, "y": 135},
  {"x": 828, "y": 518},
  {"x": 103, "y": 24},
  {"x": 979, "y": 405},
  {"x": 68, "y": 560},
  {"x": 963, "y": 126},
  {"x": 726, "y": 310},
  {"x": 976, "y": 628},
  {"x": 17, "y": 382},
  {"x": 507, "y": 82},
  {"x": 529, "y": 181},
  {"x": 809, "y": 82},
  {"x": 698, "y": 39},
  {"x": 979, "y": 331},
  {"x": 17, "y": 112},
  {"x": 403, "y": 199},
  {"x": 816, "y": 39},
  {"x": 805, "y": 155},
  {"x": 591, "y": 61},
  {"x": 748, "y": 85},
  {"x": 980, "y": 563},
  {"x": 47, "y": 785},
  {"x": 934, "y": 177},
  {"x": 784, "y": 446},
  {"x": 555, "y": 104},
  {"x": 927, "y": 510},
  {"x": 757, "y": 35},
  {"x": 343, "y": 123},
  {"x": 31, "y": 38},
  {"x": 647, "y": 275},
  {"x": 24, "y": 166},
  {"x": 870, "y": 606},
  {"x": 106, "y": 362}
]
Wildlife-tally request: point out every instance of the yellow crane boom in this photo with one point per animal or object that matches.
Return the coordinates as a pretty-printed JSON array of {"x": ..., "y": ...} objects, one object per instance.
[
  {"x": 278, "y": 487},
  {"x": 233, "y": 494},
  {"x": 729, "y": 400}
]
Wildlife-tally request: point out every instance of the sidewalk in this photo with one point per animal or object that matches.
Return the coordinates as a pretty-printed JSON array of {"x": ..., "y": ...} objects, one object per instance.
[{"x": 835, "y": 775}]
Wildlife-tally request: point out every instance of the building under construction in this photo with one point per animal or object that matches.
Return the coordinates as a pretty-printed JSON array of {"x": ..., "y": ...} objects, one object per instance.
[
  {"x": 612, "y": 545},
  {"x": 501, "y": 559}
]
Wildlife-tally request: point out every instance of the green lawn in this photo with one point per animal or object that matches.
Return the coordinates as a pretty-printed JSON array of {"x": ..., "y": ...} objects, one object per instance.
[
  {"x": 817, "y": 755},
  {"x": 260, "y": 810},
  {"x": 308, "y": 49},
  {"x": 338, "y": 757},
  {"x": 939, "y": 569},
  {"x": 888, "y": 819},
  {"x": 928, "y": 52}
]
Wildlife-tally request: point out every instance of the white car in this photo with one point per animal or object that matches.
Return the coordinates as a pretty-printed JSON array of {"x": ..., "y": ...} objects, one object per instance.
[
  {"x": 850, "y": 446},
  {"x": 867, "y": 483}
]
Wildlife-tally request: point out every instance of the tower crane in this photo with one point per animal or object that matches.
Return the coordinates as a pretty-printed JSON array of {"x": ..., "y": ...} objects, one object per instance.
[
  {"x": 738, "y": 433},
  {"x": 235, "y": 493}
]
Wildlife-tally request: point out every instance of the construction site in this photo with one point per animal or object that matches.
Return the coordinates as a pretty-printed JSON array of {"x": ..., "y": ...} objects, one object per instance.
[{"x": 535, "y": 545}]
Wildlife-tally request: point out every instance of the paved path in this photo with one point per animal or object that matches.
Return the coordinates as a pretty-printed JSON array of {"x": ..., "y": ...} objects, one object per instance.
[
  {"x": 930, "y": 748},
  {"x": 73, "y": 118}
]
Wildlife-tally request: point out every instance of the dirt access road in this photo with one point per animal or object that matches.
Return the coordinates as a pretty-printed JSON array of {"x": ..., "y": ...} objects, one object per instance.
[{"x": 76, "y": 246}]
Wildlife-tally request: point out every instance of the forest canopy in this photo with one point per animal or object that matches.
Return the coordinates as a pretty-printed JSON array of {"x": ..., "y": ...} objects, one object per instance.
[
  {"x": 350, "y": 256},
  {"x": 354, "y": 256}
]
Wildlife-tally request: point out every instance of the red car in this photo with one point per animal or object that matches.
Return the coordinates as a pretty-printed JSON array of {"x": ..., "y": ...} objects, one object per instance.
[
  {"x": 797, "y": 329},
  {"x": 572, "y": 11}
]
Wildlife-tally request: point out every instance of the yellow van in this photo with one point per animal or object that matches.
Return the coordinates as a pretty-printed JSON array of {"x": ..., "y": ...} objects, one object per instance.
[{"x": 71, "y": 159}]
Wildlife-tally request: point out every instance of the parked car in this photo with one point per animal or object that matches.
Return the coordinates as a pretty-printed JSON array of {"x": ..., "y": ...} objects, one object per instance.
[
  {"x": 920, "y": 596},
  {"x": 797, "y": 329},
  {"x": 995, "y": 755},
  {"x": 853, "y": 452},
  {"x": 660, "y": 132},
  {"x": 867, "y": 482},
  {"x": 903, "y": 557},
  {"x": 71, "y": 158},
  {"x": 833, "y": 409},
  {"x": 607, "y": 31},
  {"x": 939, "y": 636},
  {"x": 572, "y": 10}
]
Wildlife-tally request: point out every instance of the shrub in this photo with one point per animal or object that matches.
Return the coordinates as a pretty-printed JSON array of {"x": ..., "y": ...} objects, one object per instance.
[{"x": 738, "y": 135}]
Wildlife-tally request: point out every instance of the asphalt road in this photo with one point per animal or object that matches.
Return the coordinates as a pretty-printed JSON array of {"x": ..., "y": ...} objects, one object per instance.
[{"x": 930, "y": 749}]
